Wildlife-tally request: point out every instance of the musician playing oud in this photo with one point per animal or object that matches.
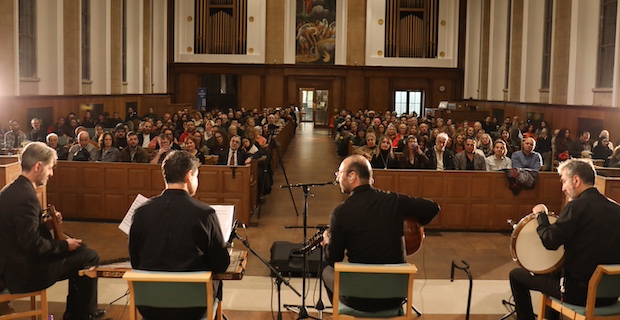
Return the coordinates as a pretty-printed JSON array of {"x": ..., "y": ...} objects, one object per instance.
[
  {"x": 588, "y": 229},
  {"x": 30, "y": 259},
  {"x": 175, "y": 232},
  {"x": 369, "y": 225}
]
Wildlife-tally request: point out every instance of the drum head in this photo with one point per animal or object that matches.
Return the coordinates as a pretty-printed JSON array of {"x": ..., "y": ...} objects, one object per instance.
[{"x": 528, "y": 250}]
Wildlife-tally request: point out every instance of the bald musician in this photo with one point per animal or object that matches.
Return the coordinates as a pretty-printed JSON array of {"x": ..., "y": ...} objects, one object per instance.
[{"x": 369, "y": 226}]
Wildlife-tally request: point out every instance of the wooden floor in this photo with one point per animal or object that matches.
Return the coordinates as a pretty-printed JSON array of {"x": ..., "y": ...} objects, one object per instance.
[{"x": 311, "y": 157}]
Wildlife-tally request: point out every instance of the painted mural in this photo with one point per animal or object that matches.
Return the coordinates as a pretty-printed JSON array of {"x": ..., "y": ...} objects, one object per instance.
[{"x": 315, "y": 32}]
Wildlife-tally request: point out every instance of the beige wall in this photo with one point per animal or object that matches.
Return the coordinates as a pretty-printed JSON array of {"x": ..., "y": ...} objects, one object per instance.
[{"x": 8, "y": 50}]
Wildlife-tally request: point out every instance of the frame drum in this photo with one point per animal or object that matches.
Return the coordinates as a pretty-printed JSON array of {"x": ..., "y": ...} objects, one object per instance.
[{"x": 528, "y": 250}]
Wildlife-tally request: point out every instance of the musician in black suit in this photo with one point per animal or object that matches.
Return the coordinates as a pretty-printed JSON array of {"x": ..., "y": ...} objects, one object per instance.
[
  {"x": 30, "y": 259},
  {"x": 175, "y": 232},
  {"x": 356, "y": 223},
  {"x": 588, "y": 229},
  {"x": 234, "y": 156}
]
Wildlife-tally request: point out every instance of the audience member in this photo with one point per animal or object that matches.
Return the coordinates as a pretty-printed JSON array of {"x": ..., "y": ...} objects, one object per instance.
[
  {"x": 37, "y": 134},
  {"x": 147, "y": 135},
  {"x": 413, "y": 156},
  {"x": 164, "y": 147},
  {"x": 370, "y": 148},
  {"x": 484, "y": 145},
  {"x": 82, "y": 150},
  {"x": 499, "y": 160},
  {"x": 88, "y": 121},
  {"x": 58, "y": 128},
  {"x": 581, "y": 148},
  {"x": 604, "y": 133},
  {"x": 603, "y": 150},
  {"x": 190, "y": 128},
  {"x": 527, "y": 158},
  {"x": 234, "y": 156},
  {"x": 107, "y": 152},
  {"x": 120, "y": 139},
  {"x": 470, "y": 159},
  {"x": 191, "y": 144},
  {"x": 441, "y": 158},
  {"x": 219, "y": 143},
  {"x": 510, "y": 147},
  {"x": 14, "y": 138},
  {"x": 562, "y": 143},
  {"x": 543, "y": 146},
  {"x": 52, "y": 142},
  {"x": 384, "y": 158},
  {"x": 133, "y": 152}
]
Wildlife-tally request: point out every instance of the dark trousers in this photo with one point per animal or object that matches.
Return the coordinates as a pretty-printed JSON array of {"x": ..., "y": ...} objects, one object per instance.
[{"x": 82, "y": 296}]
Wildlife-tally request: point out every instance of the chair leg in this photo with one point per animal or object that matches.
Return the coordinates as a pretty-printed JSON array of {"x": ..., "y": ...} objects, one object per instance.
[
  {"x": 33, "y": 305},
  {"x": 44, "y": 307},
  {"x": 544, "y": 301},
  {"x": 218, "y": 312}
]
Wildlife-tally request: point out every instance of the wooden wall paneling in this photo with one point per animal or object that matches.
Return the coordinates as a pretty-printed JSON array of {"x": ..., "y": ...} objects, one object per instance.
[
  {"x": 93, "y": 203},
  {"x": 9, "y": 172},
  {"x": 433, "y": 186},
  {"x": 458, "y": 185},
  {"x": 454, "y": 215},
  {"x": 274, "y": 86},
  {"x": 379, "y": 94},
  {"x": 482, "y": 186},
  {"x": 187, "y": 88},
  {"x": 115, "y": 204},
  {"x": 502, "y": 212},
  {"x": 250, "y": 93},
  {"x": 138, "y": 178},
  {"x": 410, "y": 185},
  {"x": 481, "y": 216},
  {"x": 355, "y": 95}
]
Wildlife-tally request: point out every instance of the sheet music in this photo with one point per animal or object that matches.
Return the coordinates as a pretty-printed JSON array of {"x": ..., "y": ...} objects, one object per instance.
[
  {"x": 225, "y": 214},
  {"x": 128, "y": 219}
]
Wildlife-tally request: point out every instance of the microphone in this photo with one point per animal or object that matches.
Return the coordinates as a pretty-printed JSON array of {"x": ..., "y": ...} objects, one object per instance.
[{"x": 233, "y": 232}]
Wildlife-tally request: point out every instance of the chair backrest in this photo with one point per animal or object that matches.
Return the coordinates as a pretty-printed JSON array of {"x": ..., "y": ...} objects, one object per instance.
[
  {"x": 375, "y": 281},
  {"x": 170, "y": 289},
  {"x": 608, "y": 278}
]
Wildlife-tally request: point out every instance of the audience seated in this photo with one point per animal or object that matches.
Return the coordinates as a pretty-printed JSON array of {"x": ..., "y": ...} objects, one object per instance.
[
  {"x": 190, "y": 128},
  {"x": 470, "y": 159},
  {"x": 527, "y": 158},
  {"x": 234, "y": 155},
  {"x": 191, "y": 144},
  {"x": 603, "y": 150},
  {"x": 37, "y": 134},
  {"x": 484, "y": 146},
  {"x": 164, "y": 147},
  {"x": 439, "y": 157},
  {"x": 370, "y": 148},
  {"x": 413, "y": 156},
  {"x": 107, "y": 152},
  {"x": 14, "y": 138},
  {"x": 82, "y": 150},
  {"x": 543, "y": 146},
  {"x": 384, "y": 158},
  {"x": 614, "y": 161},
  {"x": 133, "y": 152},
  {"x": 120, "y": 139},
  {"x": 145, "y": 138},
  {"x": 581, "y": 148},
  {"x": 499, "y": 160},
  {"x": 562, "y": 143},
  {"x": 52, "y": 142}
]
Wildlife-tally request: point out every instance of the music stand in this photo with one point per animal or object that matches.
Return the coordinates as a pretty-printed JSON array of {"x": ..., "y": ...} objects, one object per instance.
[
  {"x": 303, "y": 313},
  {"x": 279, "y": 278},
  {"x": 271, "y": 145}
]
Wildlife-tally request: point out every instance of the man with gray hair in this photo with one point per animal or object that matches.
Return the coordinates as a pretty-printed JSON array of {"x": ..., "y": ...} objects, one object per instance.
[
  {"x": 82, "y": 150},
  {"x": 30, "y": 259},
  {"x": 587, "y": 228},
  {"x": 440, "y": 157}
]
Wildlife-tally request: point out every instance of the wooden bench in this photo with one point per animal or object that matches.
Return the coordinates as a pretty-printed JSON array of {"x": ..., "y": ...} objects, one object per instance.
[{"x": 105, "y": 190}]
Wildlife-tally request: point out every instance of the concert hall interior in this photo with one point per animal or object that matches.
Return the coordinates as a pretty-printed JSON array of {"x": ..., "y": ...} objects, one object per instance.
[{"x": 519, "y": 63}]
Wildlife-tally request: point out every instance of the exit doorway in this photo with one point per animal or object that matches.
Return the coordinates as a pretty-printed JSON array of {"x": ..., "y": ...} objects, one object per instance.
[{"x": 314, "y": 106}]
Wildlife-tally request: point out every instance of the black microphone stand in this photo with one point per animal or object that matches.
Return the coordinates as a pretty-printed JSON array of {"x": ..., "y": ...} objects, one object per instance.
[
  {"x": 271, "y": 145},
  {"x": 303, "y": 312},
  {"x": 278, "y": 275}
]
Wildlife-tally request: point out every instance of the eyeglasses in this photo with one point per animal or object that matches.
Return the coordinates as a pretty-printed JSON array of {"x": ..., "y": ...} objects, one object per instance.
[{"x": 337, "y": 173}]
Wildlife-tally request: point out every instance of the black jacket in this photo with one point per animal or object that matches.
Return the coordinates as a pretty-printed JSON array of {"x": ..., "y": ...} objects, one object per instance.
[
  {"x": 30, "y": 259},
  {"x": 588, "y": 229},
  {"x": 448, "y": 159}
]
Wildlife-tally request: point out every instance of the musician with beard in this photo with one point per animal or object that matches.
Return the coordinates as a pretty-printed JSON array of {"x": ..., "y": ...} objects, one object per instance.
[
  {"x": 369, "y": 226},
  {"x": 588, "y": 229},
  {"x": 30, "y": 260}
]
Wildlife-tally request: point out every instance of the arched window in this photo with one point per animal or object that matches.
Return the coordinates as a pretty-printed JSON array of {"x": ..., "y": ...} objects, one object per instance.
[{"x": 607, "y": 44}]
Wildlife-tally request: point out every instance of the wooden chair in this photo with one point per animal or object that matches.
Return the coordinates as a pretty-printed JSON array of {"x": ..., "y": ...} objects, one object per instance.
[
  {"x": 171, "y": 290},
  {"x": 373, "y": 281},
  {"x": 604, "y": 283},
  {"x": 35, "y": 313}
]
